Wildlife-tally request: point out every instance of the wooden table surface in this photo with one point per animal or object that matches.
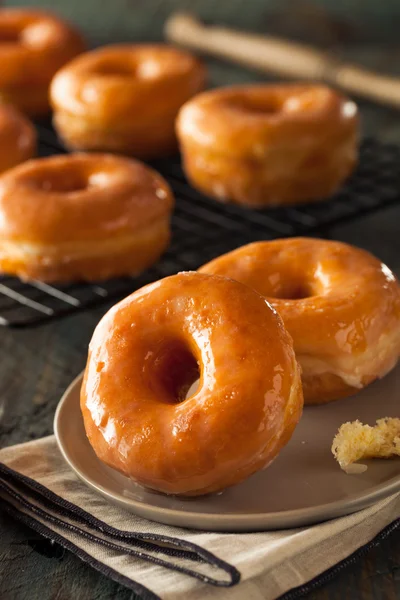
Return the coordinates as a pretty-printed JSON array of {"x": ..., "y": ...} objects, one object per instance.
[{"x": 36, "y": 365}]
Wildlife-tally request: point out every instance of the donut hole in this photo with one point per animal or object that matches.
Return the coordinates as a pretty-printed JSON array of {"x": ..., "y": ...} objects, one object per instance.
[
  {"x": 177, "y": 371},
  {"x": 114, "y": 69},
  {"x": 193, "y": 388},
  {"x": 257, "y": 106},
  {"x": 261, "y": 103},
  {"x": 144, "y": 69},
  {"x": 10, "y": 36},
  {"x": 59, "y": 182},
  {"x": 299, "y": 293},
  {"x": 294, "y": 291}
]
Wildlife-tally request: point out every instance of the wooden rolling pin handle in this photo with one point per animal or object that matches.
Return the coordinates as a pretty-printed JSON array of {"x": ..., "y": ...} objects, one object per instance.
[{"x": 280, "y": 57}]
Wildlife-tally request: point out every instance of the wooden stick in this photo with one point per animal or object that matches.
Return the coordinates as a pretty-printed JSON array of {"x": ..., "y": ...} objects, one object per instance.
[{"x": 280, "y": 57}]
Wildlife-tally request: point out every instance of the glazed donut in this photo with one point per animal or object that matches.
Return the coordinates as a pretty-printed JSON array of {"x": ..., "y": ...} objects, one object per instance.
[
  {"x": 124, "y": 98},
  {"x": 82, "y": 217},
  {"x": 265, "y": 145},
  {"x": 340, "y": 304},
  {"x": 147, "y": 351},
  {"x": 34, "y": 44},
  {"x": 17, "y": 138}
]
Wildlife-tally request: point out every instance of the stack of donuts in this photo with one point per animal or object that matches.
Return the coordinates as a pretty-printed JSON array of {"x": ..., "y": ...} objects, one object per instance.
[{"x": 196, "y": 381}]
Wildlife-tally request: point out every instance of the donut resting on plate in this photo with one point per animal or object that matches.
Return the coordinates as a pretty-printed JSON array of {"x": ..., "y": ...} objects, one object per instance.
[
  {"x": 148, "y": 350},
  {"x": 340, "y": 304}
]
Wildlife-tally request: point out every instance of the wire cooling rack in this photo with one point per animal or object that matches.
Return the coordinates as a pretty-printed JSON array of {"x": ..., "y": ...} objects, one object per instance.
[{"x": 203, "y": 228}]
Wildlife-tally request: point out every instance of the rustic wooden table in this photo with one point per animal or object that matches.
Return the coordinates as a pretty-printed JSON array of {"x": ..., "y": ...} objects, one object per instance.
[{"x": 37, "y": 364}]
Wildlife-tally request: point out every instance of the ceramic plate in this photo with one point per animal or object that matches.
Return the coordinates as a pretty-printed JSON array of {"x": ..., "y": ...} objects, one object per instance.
[{"x": 304, "y": 484}]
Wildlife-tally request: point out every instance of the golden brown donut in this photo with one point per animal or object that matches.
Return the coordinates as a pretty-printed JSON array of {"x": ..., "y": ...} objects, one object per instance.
[
  {"x": 124, "y": 98},
  {"x": 340, "y": 304},
  {"x": 17, "y": 138},
  {"x": 82, "y": 217},
  {"x": 34, "y": 44},
  {"x": 149, "y": 348},
  {"x": 266, "y": 145}
]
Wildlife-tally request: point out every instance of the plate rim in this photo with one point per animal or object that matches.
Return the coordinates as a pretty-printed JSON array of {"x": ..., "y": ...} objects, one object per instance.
[{"x": 228, "y": 522}]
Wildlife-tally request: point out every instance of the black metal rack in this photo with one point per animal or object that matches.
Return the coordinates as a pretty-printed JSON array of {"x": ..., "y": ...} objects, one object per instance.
[{"x": 203, "y": 228}]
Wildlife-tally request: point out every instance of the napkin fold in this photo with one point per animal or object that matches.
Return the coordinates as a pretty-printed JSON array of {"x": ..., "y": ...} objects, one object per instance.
[{"x": 158, "y": 561}]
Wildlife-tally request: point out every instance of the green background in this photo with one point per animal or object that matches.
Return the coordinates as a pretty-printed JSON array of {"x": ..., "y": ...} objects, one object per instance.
[{"x": 325, "y": 21}]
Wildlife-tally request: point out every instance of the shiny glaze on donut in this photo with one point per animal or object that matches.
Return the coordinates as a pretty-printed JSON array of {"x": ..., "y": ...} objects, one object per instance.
[
  {"x": 85, "y": 216},
  {"x": 17, "y": 138},
  {"x": 340, "y": 304},
  {"x": 125, "y": 98},
  {"x": 34, "y": 44},
  {"x": 144, "y": 355},
  {"x": 263, "y": 145}
]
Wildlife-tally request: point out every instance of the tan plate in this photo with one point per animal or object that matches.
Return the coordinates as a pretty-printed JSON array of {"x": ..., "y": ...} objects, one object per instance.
[{"x": 304, "y": 485}]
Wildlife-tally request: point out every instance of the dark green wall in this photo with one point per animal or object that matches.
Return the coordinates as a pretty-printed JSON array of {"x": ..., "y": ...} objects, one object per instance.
[{"x": 327, "y": 22}]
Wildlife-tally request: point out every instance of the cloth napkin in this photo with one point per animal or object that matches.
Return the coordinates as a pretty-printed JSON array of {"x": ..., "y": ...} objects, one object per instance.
[{"x": 157, "y": 561}]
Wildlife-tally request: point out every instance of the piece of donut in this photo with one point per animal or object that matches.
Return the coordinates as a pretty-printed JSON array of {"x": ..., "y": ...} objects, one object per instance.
[
  {"x": 147, "y": 351},
  {"x": 34, "y": 44},
  {"x": 355, "y": 441},
  {"x": 340, "y": 304},
  {"x": 266, "y": 145},
  {"x": 125, "y": 98},
  {"x": 82, "y": 217},
  {"x": 17, "y": 137}
]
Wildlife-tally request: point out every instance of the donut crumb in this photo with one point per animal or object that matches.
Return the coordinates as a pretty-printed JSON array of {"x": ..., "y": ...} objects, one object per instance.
[{"x": 355, "y": 441}]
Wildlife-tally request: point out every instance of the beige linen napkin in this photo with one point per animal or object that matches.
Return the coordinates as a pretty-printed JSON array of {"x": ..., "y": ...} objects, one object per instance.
[{"x": 153, "y": 566}]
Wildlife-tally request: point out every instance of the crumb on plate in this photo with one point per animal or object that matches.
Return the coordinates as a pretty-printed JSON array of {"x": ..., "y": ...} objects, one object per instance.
[{"x": 355, "y": 441}]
